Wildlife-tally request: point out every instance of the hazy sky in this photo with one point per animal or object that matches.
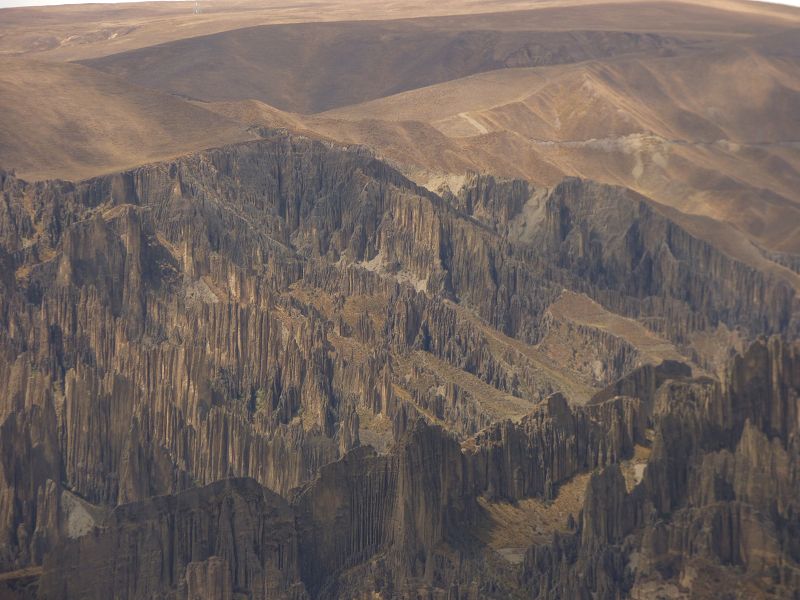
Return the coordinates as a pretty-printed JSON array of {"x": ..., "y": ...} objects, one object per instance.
[{"x": 7, "y": 3}]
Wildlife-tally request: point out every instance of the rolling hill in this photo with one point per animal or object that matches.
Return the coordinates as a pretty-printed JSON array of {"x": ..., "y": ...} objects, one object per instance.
[{"x": 69, "y": 121}]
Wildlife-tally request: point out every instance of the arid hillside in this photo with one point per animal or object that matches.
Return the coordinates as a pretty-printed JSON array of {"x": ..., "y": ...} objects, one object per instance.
[{"x": 68, "y": 121}]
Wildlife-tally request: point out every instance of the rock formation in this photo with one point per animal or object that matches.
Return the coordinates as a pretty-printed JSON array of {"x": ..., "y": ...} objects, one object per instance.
[
  {"x": 196, "y": 356},
  {"x": 208, "y": 542},
  {"x": 717, "y": 507}
]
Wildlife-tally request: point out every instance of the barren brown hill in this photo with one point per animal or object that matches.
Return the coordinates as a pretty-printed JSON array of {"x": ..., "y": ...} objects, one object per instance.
[
  {"x": 418, "y": 148},
  {"x": 714, "y": 134},
  {"x": 75, "y": 32},
  {"x": 317, "y": 66},
  {"x": 309, "y": 67},
  {"x": 69, "y": 121}
]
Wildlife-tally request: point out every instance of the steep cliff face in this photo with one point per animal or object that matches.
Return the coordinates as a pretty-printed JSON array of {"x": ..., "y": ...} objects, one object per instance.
[
  {"x": 717, "y": 499},
  {"x": 554, "y": 443},
  {"x": 716, "y": 511},
  {"x": 593, "y": 353},
  {"x": 208, "y": 542},
  {"x": 643, "y": 383},
  {"x": 29, "y": 468},
  {"x": 402, "y": 512},
  {"x": 259, "y": 311},
  {"x": 402, "y": 520},
  {"x": 616, "y": 241}
]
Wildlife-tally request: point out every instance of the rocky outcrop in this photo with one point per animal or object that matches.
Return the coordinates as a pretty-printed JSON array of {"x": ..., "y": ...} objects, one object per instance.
[
  {"x": 256, "y": 311},
  {"x": 718, "y": 501},
  {"x": 616, "y": 241},
  {"x": 492, "y": 201},
  {"x": 531, "y": 458},
  {"x": 229, "y": 537},
  {"x": 407, "y": 507},
  {"x": 591, "y": 562},
  {"x": 233, "y": 536},
  {"x": 592, "y": 352},
  {"x": 30, "y": 472},
  {"x": 643, "y": 383}
]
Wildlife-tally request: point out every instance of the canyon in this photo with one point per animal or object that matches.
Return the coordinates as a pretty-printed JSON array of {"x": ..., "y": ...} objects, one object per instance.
[{"x": 291, "y": 330}]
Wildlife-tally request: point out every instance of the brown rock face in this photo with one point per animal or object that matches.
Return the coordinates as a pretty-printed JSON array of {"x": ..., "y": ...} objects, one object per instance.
[
  {"x": 406, "y": 507},
  {"x": 643, "y": 383},
  {"x": 554, "y": 443},
  {"x": 208, "y": 579},
  {"x": 619, "y": 242},
  {"x": 195, "y": 357},
  {"x": 202, "y": 543},
  {"x": 718, "y": 502}
]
